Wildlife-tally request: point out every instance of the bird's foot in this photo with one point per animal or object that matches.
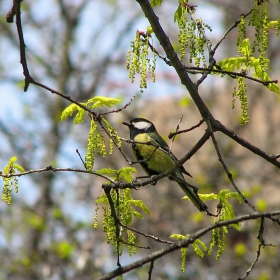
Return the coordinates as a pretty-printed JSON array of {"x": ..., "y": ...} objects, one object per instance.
[
  {"x": 135, "y": 181},
  {"x": 152, "y": 180}
]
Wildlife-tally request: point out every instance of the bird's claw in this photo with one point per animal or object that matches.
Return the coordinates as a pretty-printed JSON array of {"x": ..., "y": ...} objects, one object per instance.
[
  {"x": 152, "y": 180},
  {"x": 134, "y": 181}
]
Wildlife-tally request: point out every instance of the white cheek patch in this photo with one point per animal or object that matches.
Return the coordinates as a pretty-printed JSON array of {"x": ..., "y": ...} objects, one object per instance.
[{"x": 142, "y": 125}]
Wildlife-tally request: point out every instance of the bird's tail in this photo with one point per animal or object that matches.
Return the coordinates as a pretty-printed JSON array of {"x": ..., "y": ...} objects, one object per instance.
[{"x": 193, "y": 196}]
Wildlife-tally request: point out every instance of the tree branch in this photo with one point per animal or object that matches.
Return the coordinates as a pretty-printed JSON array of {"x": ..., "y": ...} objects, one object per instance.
[
  {"x": 173, "y": 58},
  {"x": 231, "y": 74},
  {"x": 185, "y": 243},
  {"x": 50, "y": 168},
  {"x": 218, "y": 126},
  {"x": 229, "y": 174}
]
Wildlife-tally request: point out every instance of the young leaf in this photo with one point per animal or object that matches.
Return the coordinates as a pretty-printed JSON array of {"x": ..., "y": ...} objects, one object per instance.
[{"x": 101, "y": 101}]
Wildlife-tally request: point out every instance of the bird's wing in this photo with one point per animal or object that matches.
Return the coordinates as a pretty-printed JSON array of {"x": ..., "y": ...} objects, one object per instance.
[{"x": 159, "y": 141}]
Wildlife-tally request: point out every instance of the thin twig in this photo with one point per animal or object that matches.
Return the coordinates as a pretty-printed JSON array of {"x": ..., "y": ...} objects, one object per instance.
[
  {"x": 65, "y": 97},
  {"x": 212, "y": 61},
  {"x": 231, "y": 74},
  {"x": 28, "y": 78},
  {"x": 228, "y": 173},
  {"x": 77, "y": 151},
  {"x": 185, "y": 243},
  {"x": 229, "y": 30},
  {"x": 50, "y": 168},
  {"x": 218, "y": 126},
  {"x": 151, "y": 270},
  {"x": 11, "y": 13},
  {"x": 116, "y": 219},
  {"x": 177, "y": 128},
  {"x": 179, "y": 163},
  {"x": 153, "y": 49},
  {"x": 119, "y": 110},
  {"x": 172, "y": 134},
  {"x": 261, "y": 244}
]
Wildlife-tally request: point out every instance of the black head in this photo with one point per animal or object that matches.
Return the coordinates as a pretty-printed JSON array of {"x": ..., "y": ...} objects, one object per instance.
[{"x": 139, "y": 125}]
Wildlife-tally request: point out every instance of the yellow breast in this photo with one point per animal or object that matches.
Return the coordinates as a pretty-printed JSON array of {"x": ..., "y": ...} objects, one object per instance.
[{"x": 157, "y": 159}]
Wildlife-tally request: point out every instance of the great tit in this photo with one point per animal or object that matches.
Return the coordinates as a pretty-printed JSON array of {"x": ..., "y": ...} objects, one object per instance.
[{"x": 155, "y": 156}]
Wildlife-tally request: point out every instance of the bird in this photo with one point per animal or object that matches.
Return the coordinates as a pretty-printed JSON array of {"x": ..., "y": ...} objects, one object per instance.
[{"x": 155, "y": 157}]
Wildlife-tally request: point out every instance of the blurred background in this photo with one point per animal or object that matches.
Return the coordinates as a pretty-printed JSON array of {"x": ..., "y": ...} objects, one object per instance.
[{"x": 78, "y": 47}]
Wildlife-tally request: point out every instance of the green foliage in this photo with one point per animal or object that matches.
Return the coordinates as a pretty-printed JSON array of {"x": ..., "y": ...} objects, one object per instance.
[
  {"x": 240, "y": 249},
  {"x": 240, "y": 93},
  {"x": 203, "y": 197},
  {"x": 219, "y": 234},
  {"x": 113, "y": 135},
  {"x": 263, "y": 276},
  {"x": 196, "y": 247},
  {"x": 246, "y": 63},
  {"x": 259, "y": 20},
  {"x": 184, "y": 258},
  {"x": 261, "y": 205},
  {"x": 124, "y": 209},
  {"x": 275, "y": 24},
  {"x": 184, "y": 102},
  {"x": 93, "y": 103},
  {"x": 10, "y": 182},
  {"x": 155, "y": 3},
  {"x": 241, "y": 31},
  {"x": 36, "y": 222},
  {"x": 69, "y": 111},
  {"x": 64, "y": 250},
  {"x": 96, "y": 143},
  {"x": 138, "y": 60},
  {"x": 118, "y": 175},
  {"x": 96, "y": 140},
  {"x": 191, "y": 33}
]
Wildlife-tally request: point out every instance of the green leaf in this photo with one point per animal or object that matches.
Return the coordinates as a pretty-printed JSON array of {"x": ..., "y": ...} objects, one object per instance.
[
  {"x": 240, "y": 249},
  {"x": 11, "y": 182},
  {"x": 141, "y": 204},
  {"x": 18, "y": 167},
  {"x": 95, "y": 102},
  {"x": 69, "y": 111},
  {"x": 244, "y": 48},
  {"x": 184, "y": 102},
  {"x": 261, "y": 205},
  {"x": 273, "y": 87},
  {"x": 201, "y": 243},
  {"x": 229, "y": 64},
  {"x": 106, "y": 171},
  {"x": 63, "y": 249},
  {"x": 101, "y": 101},
  {"x": 272, "y": 23},
  {"x": 178, "y": 236},
  {"x": 125, "y": 173},
  {"x": 13, "y": 159},
  {"x": 80, "y": 116},
  {"x": 137, "y": 215},
  {"x": 178, "y": 14},
  {"x": 155, "y": 3},
  {"x": 197, "y": 249}
]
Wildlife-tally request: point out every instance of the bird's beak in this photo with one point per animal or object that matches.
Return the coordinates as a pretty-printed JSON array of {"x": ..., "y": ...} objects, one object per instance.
[{"x": 126, "y": 123}]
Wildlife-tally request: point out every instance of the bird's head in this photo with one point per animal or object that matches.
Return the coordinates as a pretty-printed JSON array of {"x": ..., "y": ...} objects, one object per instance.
[{"x": 139, "y": 125}]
